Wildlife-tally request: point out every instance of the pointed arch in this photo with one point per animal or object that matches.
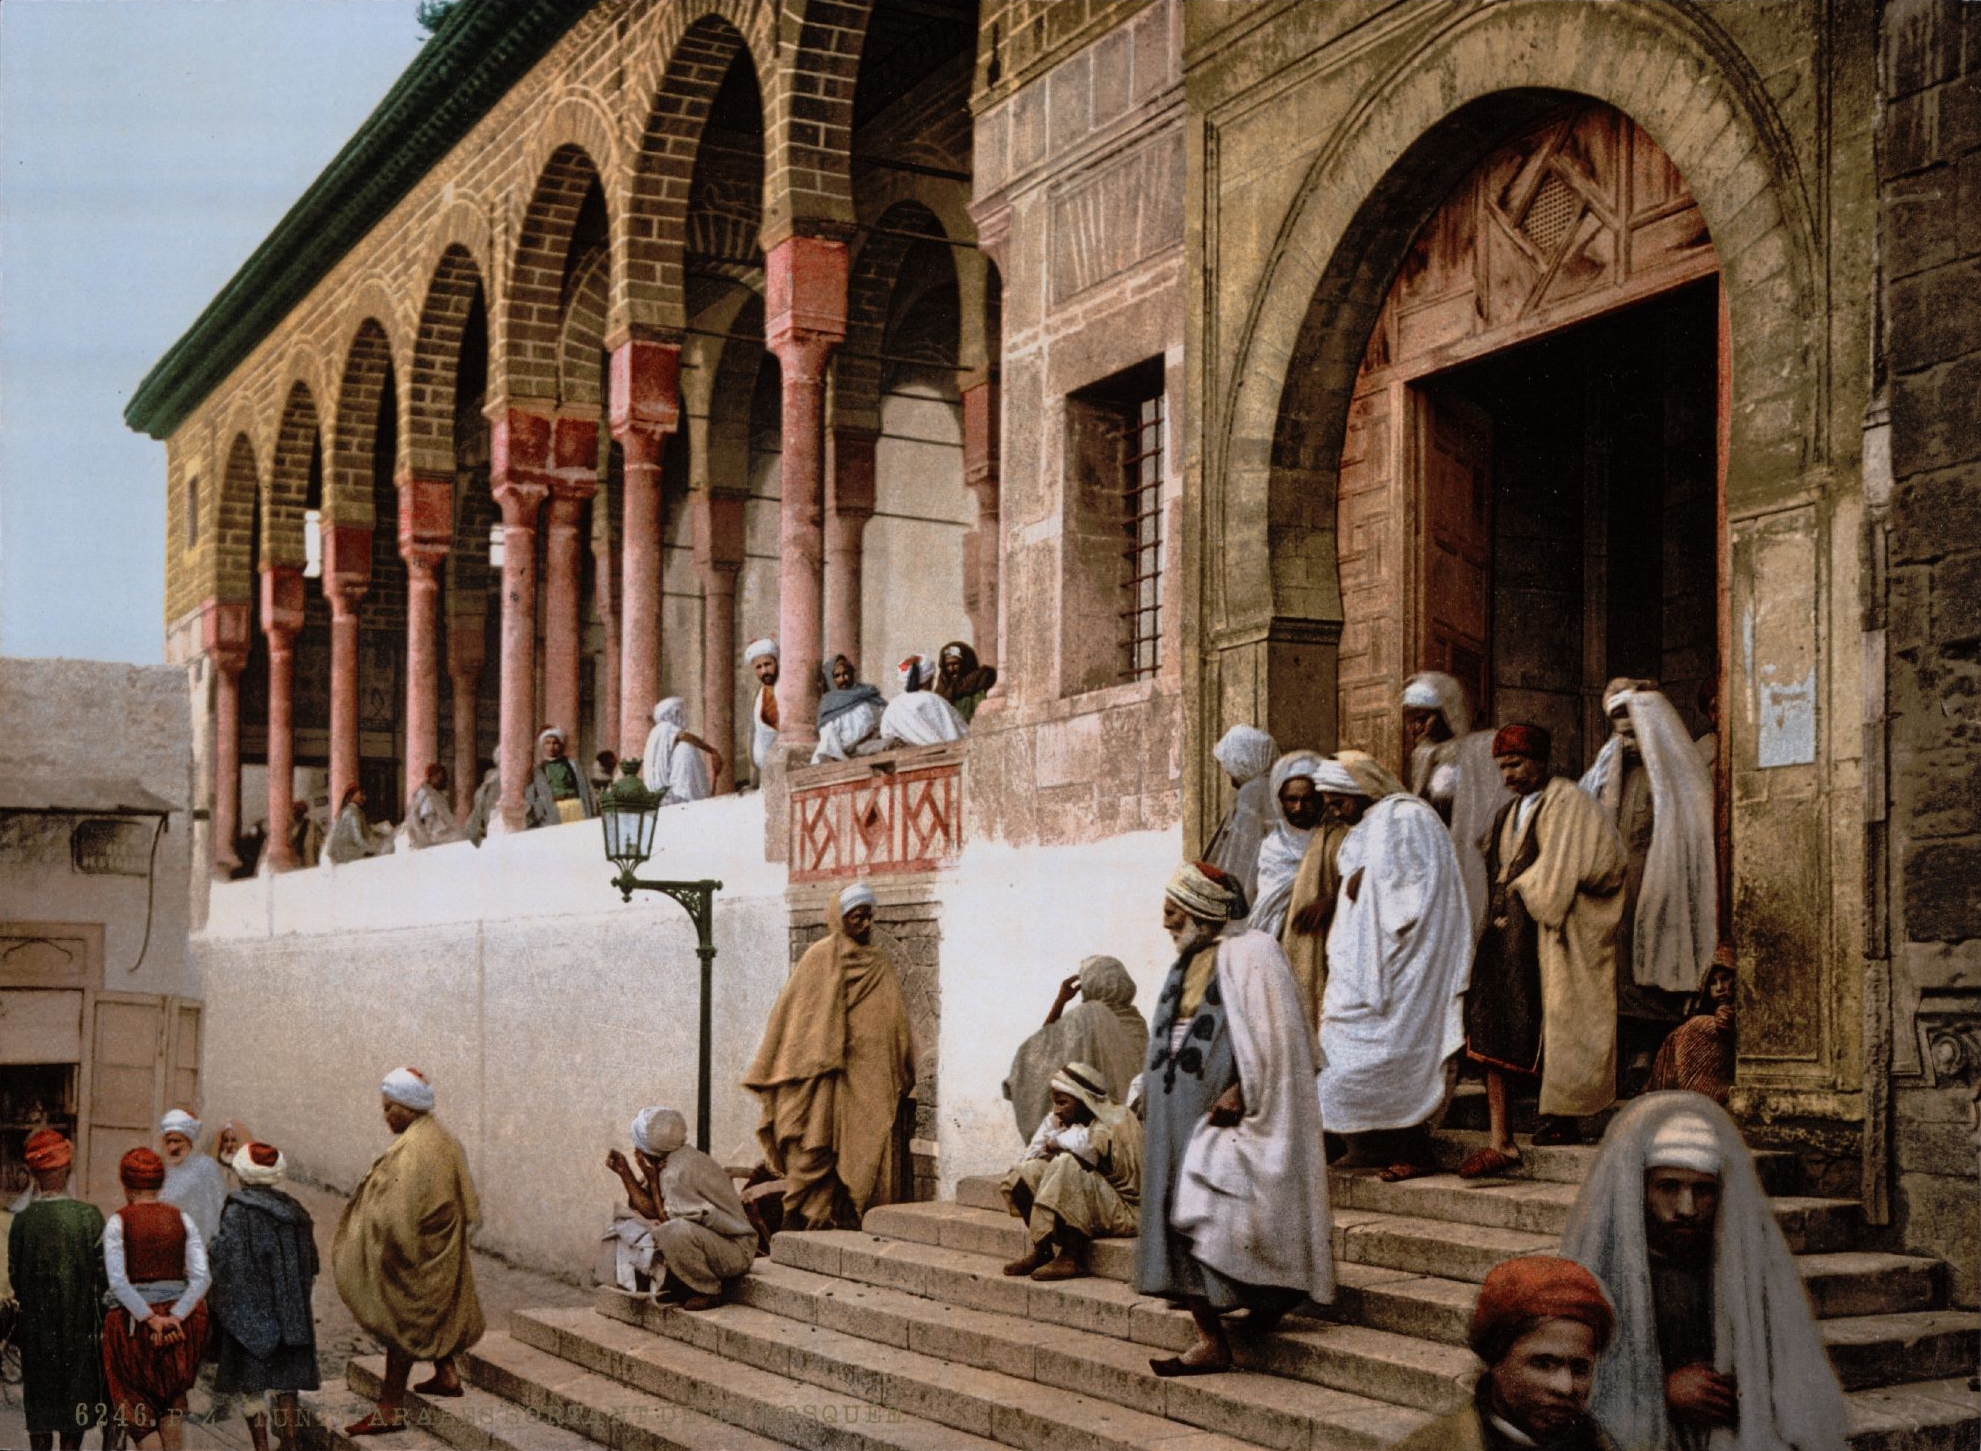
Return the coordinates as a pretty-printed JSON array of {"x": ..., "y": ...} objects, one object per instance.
[
  {"x": 655, "y": 293},
  {"x": 233, "y": 521},
  {"x": 857, "y": 366},
  {"x": 361, "y": 394},
  {"x": 297, "y": 440},
  {"x": 529, "y": 317},
  {"x": 454, "y": 283}
]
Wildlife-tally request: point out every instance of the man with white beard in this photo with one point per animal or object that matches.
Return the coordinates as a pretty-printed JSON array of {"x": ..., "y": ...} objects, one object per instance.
[
  {"x": 1234, "y": 1185},
  {"x": 1399, "y": 956}
]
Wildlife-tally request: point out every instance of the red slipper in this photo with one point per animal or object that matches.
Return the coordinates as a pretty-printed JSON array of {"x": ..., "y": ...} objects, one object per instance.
[
  {"x": 1487, "y": 1161},
  {"x": 371, "y": 1425},
  {"x": 435, "y": 1388},
  {"x": 1397, "y": 1173}
]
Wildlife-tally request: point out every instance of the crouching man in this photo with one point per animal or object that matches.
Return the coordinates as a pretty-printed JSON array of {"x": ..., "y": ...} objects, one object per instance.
[
  {"x": 1539, "y": 1326},
  {"x": 685, "y": 1230},
  {"x": 1081, "y": 1178}
]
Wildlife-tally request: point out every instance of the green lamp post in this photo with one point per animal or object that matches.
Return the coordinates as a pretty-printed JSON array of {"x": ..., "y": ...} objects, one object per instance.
[{"x": 629, "y": 813}]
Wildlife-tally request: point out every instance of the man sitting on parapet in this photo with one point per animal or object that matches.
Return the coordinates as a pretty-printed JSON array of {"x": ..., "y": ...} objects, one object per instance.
[
  {"x": 1080, "y": 1180},
  {"x": 558, "y": 790},
  {"x": 684, "y": 1230},
  {"x": 1715, "y": 1343}
]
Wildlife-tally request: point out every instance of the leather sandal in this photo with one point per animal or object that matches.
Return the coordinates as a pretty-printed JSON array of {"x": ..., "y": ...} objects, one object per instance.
[
  {"x": 1488, "y": 1161},
  {"x": 1174, "y": 1366},
  {"x": 1398, "y": 1172},
  {"x": 434, "y": 1387}
]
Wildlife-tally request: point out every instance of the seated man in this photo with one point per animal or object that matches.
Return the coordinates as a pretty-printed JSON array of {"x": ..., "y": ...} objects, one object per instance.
[
  {"x": 1539, "y": 1325},
  {"x": 917, "y": 716},
  {"x": 686, "y": 1232},
  {"x": 558, "y": 791},
  {"x": 1081, "y": 1178}
]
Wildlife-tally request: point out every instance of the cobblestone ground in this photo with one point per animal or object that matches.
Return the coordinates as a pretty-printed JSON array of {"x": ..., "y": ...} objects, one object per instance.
[{"x": 502, "y": 1287}]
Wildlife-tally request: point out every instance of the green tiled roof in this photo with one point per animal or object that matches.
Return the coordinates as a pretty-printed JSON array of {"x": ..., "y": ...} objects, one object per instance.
[{"x": 481, "y": 49}]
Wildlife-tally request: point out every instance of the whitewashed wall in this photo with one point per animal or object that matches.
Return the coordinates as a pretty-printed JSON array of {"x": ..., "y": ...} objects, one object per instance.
[
  {"x": 546, "y": 1011},
  {"x": 1015, "y": 922}
]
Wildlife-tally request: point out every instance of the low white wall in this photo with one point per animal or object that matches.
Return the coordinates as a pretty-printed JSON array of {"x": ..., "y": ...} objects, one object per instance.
[
  {"x": 1015, "y": 922},
  {"x": 546, "y": 1011}
]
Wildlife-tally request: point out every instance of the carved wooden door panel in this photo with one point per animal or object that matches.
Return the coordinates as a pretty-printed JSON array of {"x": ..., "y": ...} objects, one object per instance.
[{"x": 1455, "y": 453}]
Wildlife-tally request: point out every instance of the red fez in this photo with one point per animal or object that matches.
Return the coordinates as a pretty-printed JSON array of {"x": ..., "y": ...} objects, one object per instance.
[
  {"x": 1530, "y": 741},
  {"x": 141, "y": 1169},
  {"x": 1520, "y": 1292},
  {"x": 47, "y": 1149},
  {"x": 264, "y": 1154}
]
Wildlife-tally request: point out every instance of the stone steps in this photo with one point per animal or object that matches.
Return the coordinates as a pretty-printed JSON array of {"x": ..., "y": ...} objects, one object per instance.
[
  {"x": 325, "y": 1413},
  {"x": 1780, "y": 1173},
  {"x": 964, "y": 1407},
  {"x": 1841, "y": 1282},
  {"x": 1303, "y": 1396},
  {"x": 482, "y": 1419}
]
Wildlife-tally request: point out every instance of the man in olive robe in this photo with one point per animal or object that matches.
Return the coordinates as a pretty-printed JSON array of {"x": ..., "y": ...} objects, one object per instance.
[
  {"x": 1543, "y": 993},
  {"x": 57, "y": 1270},
  {"x": 835, "y": 1061},
  {"x": 401, "y": 1257}
]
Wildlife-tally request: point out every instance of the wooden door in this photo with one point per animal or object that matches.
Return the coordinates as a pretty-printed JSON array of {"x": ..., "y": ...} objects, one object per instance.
[
  {"x": 122, "y": 1091},
  {"x": 1455, "y": 456}
]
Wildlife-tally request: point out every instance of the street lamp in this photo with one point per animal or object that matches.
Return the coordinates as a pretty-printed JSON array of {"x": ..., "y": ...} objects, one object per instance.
[{"x": 629, "y": 813}]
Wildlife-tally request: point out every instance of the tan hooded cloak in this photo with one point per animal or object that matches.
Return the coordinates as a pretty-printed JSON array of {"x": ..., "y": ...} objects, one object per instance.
[
  {"x": 836, "y": 1058},
  {"x": 1573, "y": 893},
  {"x": 401, "y": 1257}
]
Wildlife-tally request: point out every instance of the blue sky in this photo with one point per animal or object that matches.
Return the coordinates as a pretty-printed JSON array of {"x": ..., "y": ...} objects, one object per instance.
[{"x": 146, "y": 147}]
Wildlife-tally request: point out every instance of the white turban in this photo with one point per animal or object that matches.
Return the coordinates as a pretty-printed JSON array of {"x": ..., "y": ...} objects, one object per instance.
[
  {"x": 1421, "y": 694},
  {"x": 1685, "y": 1141},
  {"x": 857, "y": 895},
  {"x": 548, "y": 731},
  {"x": 178, "y": 1121},
  {"x": 252, "y": 1172},
  {"x": 1333, "y": 777},
  {"x": 673, "y": 710},
  {"x": 658, "y": 1132},
  {"x": 1245, "y": 752},
  {"x": 408, "y": 1088},
  {"x": 757, "y": 649}
]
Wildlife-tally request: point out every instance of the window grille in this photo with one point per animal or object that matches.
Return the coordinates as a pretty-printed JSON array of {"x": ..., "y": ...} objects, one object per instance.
[{"x": 1142, "y": 558}]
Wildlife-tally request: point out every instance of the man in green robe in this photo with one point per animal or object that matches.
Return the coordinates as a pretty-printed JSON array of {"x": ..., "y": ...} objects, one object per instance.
[{"x": 57, "y": 1269}]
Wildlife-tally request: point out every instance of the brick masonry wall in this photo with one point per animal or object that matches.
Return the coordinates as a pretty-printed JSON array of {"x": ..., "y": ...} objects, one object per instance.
[{"x": 1929, "y": 239}]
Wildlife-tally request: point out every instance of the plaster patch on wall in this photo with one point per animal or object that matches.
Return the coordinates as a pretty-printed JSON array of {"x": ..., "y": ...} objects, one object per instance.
[{"x": 1787, "y": 712}]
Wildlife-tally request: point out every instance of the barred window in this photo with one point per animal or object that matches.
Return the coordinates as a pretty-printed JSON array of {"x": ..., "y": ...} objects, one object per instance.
[
  {"x": 1113, "y": 546},
  {"x": 1141, "y": 575}
]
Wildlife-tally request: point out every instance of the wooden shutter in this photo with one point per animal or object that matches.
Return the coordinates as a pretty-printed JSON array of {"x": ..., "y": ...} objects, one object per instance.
[{"x": 124, "y": 1086}]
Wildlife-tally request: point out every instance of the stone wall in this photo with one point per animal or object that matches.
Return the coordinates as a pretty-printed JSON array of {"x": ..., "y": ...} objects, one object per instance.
[
  {"x": 1925, "y": 624},
  {"x": 1079, "y": 199}
]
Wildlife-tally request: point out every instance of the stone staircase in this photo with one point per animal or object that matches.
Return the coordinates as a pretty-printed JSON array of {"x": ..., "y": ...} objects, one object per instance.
[{"x": 905, "y": 1336}]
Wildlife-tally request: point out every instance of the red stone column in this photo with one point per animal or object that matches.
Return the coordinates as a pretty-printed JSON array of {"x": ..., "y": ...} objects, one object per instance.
[
  {"x": 464, "y": 663},
  {"x": 224, "y": 641},
  {"x": 519, "y": 477},
  {"x": 718, "y": 559},
  {"x": 845, "y": 526},
  {"x": 281, "y": 620},
  {"x": 646, "y": 408},
  {"x": 804, "y": 318},
  {"x": 981, "y": 421},
  {"x": 346, "y": 576},
  {"x": 574, "y": 467},
  {"x": 426, "y": 522}
]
